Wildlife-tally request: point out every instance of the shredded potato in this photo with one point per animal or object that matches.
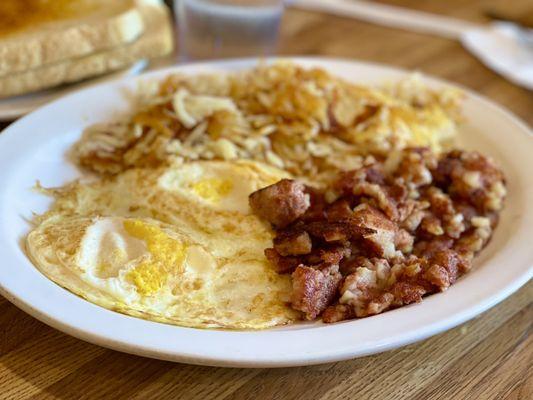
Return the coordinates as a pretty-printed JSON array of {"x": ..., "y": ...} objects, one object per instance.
[{"x": 305, "y": 121}]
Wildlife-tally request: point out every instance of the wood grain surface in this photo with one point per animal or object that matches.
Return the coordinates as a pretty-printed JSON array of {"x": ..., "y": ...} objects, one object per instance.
[{"x": 490, "y": 357}]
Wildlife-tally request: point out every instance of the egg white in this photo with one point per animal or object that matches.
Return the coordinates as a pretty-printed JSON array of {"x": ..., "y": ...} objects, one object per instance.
[{"x": 222, "y": 279}]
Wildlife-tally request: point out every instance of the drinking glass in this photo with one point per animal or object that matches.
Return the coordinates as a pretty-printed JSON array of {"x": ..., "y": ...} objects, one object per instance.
[{"x": 227, "y": 28}]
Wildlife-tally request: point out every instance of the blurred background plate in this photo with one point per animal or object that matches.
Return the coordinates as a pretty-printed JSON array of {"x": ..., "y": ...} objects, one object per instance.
[{"x": 17, "y": 106}]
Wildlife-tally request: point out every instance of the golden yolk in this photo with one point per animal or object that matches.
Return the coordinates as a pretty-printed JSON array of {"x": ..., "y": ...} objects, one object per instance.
[
  {"x": 167, "y": 256},
  {"x": 212, "y": 189}
]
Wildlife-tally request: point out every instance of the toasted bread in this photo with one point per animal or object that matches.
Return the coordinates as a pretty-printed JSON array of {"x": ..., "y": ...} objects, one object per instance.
[
  {"x": 157, "y": 40},
  {"x": 34, "y": 33}
]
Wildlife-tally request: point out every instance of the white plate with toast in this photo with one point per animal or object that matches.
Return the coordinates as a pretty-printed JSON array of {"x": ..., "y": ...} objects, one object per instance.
[
  {"x": 61, "y": 43},
  {"x": 34, "y": 148},
  {"x": 17, "y": 106}
]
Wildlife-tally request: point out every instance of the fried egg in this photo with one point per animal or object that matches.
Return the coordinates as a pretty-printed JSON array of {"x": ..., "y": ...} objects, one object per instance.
[{"x": 177, "y": 245}]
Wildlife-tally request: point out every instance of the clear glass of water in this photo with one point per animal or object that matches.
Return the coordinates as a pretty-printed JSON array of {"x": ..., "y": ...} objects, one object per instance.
[{"x": 227, "y": 28}]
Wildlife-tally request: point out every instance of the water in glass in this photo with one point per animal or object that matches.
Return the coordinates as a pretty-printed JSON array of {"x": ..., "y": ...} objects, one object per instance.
[{"x": 227, "y": 28}]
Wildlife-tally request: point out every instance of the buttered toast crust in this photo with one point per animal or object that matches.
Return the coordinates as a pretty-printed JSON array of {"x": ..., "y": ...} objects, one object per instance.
[{"x": 34, "y": 33}]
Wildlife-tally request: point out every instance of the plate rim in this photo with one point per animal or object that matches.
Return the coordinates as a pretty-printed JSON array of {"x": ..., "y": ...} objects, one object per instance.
[{"x": 307, "y": 359}]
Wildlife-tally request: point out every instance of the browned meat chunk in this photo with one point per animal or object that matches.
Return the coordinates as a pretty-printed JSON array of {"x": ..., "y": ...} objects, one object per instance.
[
  {"x": 412, "y": 213},
  {"x": 283, "y": 265},
  {"x": 380, "y": 303},
  {"x": 428, "y": 249},
  {"x": 406, "y": 293},
  {"x": 293, "y": 243},
  {"x": 451, "y": 262},
  {"x": 472, "y": 177},
  {"x": 446, "y": 265},
  {"x": 280, "y": 203},
  {"x": 337, "y": 231},
  {"x": 384, "y": 231},
  {"x": 438, "y": 276},
  {"x": 339, "y": 211},
  {"x": 349, "y": 265},
  {"x": 380, "y": 198},
  {"x": 348, "y": 180},
  {"x": 338, "y": 312},
  {"x": 442, "y": 207},
  {"x": 431, "y": 226},
  {"x": 314, "y": 289},
  {"x": 413, "y": 166},
  {"x": 334, "y": 255},
  {"x": 403, "y": 241},
  {"x": 317, "y": 207},
  {"x": 384, "y": 235}
]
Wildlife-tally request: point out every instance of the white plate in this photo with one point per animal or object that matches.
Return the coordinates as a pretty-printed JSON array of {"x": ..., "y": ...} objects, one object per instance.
[
  {"x": 17, "y": 106},
  {"x": 34, "y": 148}
]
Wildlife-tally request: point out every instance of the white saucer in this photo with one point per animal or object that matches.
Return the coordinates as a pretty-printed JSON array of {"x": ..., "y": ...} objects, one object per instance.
[{"x": 14, "y": 107}]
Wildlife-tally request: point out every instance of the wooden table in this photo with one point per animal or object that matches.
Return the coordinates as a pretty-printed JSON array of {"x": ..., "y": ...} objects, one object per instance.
[{"x": 490, "y": 357}]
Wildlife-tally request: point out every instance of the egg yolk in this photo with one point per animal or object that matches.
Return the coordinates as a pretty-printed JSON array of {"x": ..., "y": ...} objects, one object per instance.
[
  {"x": 167, "y": 257},
  {"x": 212, "y": 189}
]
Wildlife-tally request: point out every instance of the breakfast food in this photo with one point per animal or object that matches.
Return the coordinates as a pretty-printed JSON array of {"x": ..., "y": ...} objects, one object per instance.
[
  {"x": 51, "y": 43},
  {"x": 177, "y": 245},
  {"x": 34, "y": 33},
  {"x": 268, "y": 196},
  {"x": 305, "y": 121},
  {"x": 155, "y": 41},
  {"x": 384, "y": 235}
]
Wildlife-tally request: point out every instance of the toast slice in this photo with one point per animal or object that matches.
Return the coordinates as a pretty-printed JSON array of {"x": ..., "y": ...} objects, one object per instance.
[
  {"x": 34, "y": 33},
  {"x": 157, "y": 40}
]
